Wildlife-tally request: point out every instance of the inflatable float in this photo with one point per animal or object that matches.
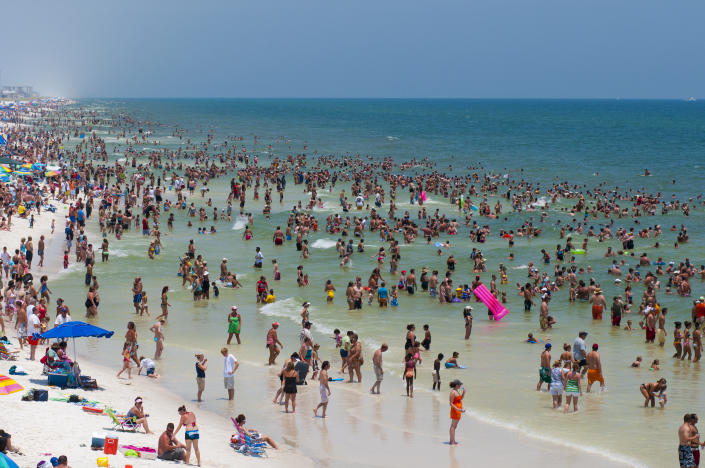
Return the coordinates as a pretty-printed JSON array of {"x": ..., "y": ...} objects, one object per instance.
[{"x": 497, "y": 309}]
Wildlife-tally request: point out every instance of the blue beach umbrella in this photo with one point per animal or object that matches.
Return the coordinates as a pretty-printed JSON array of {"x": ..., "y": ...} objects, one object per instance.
[
  {"x": 75, "y": 330},
  {"x": 6, "y": 462}
]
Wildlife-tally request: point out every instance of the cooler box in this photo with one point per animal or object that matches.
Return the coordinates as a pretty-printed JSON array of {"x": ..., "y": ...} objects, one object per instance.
[
  {"x": 111, "y": 446},
  {"x": 97, "y": 441},
  {"x": 60, "y": 380}
]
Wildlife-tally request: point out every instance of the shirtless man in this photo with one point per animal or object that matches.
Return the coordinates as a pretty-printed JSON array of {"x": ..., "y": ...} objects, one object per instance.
[
  {"x": 686, "y": 436},
  {"x": 158, "y": 338},
  {"x": 543, "y": 314},
  {"x": 354, "y": 358},
  {"x": 594, "y": 364},
  {"x": 598, "y": 305},
  {"x": 169, "y": 448},
  {"x": 545, "y": 369},
  {"x": 272, "y": 342},
  {"x": 379, "y": 372}
]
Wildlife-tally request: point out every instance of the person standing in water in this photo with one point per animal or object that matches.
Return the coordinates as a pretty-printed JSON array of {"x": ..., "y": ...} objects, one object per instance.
[
  {"x": 594, "y": 364},
  {"x": 201, "y": 367},
  {"x": 324, "y": 389},
  {"x": 377, "y": 365},
  {"x": 158, "y": 338},
  {"x": 164, "y": 304},
  {"x": 234, "y": 324},
  {"x": 457, "y": 393},
  {"x": 545, "y": 369},
  {"x": 272, "y": 342},
  {"x": 573, "y": 387}
]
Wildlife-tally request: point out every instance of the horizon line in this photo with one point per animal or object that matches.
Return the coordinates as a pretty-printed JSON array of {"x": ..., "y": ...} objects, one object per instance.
[{"x": 400, "y": 98}]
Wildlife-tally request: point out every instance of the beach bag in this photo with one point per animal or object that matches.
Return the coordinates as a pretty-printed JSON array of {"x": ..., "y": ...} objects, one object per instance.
[
  {"x": 40, "y": 395},
  {"x": 74, "y": 399}
]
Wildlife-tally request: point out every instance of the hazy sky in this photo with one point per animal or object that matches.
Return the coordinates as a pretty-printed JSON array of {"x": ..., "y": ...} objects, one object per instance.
[{"x": 361, "y": 48}]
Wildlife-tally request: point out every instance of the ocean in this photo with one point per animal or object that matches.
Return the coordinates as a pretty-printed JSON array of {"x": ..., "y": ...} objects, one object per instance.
[{"x": 585, "y": 143}]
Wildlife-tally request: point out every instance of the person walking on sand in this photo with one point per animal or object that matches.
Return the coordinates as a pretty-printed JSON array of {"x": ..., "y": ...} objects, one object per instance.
[
  {"x": 545, "y": 369},
  {"x": 201, "y": 367},
  {"x": 234, "y": 323},
  {"x": 324, "y": 389},
  {"x": 230, "y": 365},
  {"x": 379, "y": 371},
  {"x": 188, "y": 421},
  {"x": 272, "y": 342},
  {"x": 457, "y": 393},
  {"x": 594, "y": 365}
]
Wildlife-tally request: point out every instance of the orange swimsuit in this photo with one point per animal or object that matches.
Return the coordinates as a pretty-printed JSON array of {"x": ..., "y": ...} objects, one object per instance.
[{"x": 458, "y": 403}]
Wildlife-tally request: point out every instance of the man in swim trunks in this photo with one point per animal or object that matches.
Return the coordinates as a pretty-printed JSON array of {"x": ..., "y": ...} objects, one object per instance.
[
  {"x": 594, "y": 364},
  {"x": 169, "y": 448},
  {"x": 598, "y": 304},
  {"x": 545, "y": 369},
  {"x": 685, "y": 438},
  {"x": 379, "y": 372}
]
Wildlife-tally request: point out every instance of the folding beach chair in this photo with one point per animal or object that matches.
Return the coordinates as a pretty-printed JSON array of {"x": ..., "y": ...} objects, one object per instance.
[
  {"x": 247, "y": 443},
  {"x": 123, "y": 424},
  {"x": 6, "y": 354}
]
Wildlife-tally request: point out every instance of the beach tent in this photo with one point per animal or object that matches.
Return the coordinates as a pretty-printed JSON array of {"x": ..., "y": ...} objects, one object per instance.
[
  {"x": 6, "y": 462},
  {"x": 8, "y": 386},
  {"x": 76, "y": 330}
]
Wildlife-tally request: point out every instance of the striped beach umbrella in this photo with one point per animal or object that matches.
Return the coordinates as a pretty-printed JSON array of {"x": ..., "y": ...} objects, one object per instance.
[
  {"x": 6, "y": 462},
  {"x": 8, "y": 386}
]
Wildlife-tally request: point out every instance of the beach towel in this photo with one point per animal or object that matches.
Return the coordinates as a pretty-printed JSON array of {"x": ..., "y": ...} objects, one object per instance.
[{"x": 497, "y": 309}]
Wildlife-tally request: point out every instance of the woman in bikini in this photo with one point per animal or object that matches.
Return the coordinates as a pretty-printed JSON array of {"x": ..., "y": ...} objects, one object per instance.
[
  {"x": 188, "y": 421},
  {"x": 165, "y": 304},
  {"x": 687, "y": 349},
  {"x": 677, "y": 335},
  {"x": 648, "y": 390}
]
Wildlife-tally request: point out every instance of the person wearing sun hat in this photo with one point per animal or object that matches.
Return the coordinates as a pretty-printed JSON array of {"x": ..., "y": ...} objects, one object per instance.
[{"x": 598, "y": 304}]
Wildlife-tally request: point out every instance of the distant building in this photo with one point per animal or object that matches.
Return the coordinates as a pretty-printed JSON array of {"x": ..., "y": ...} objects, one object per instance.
[{"x": 17, "y": 92}]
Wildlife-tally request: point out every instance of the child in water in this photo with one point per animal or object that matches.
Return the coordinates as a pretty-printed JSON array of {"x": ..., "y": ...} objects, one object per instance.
[
  {"x": 395, "y": 297},
  {"x": 637, "y": 362}
]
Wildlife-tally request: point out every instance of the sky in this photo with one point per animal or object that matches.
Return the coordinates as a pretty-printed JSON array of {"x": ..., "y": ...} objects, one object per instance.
[{"x": 384, "y": 48}]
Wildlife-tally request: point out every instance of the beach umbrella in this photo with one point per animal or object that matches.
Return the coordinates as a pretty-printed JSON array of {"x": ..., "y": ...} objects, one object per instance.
[
  {"x": 8, "y": 386},
  {"x": 6, "y": 462},
  {"x": 75, "y": 330}
]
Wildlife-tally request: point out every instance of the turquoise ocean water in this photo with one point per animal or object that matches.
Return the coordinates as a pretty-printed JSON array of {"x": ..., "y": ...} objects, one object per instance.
[{"x": 585, "y": 143}]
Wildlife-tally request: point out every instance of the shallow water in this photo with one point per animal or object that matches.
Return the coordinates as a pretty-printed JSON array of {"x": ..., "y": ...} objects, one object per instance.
[{"x": 567, "y": 140}]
